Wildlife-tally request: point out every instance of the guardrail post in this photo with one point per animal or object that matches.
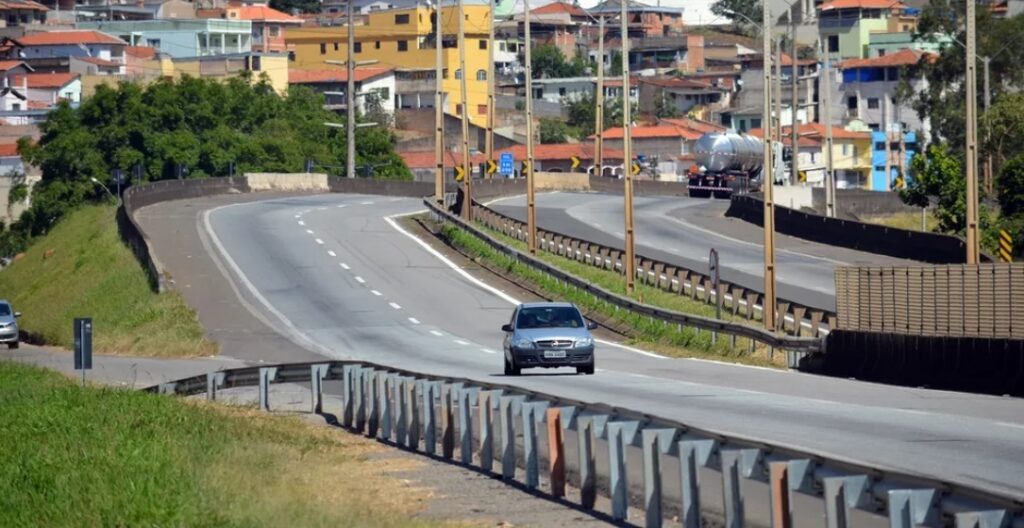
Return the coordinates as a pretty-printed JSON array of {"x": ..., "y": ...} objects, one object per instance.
[
  {"x": 486, "y": 402},
  {"x": 349, "y": 392},
  {"x": 362, "y": 386},
  {"x": 316, "y": 385},
  {"x": 447, "y": 420},
  {"x": 401, "y": 410},
  {"x": 429, "y": 417},
  {"x": 267, "y": 374},
  {"x": 587, "y": 428},
  {"x": 841, "y": 494},
  {"x": 692, "y": 454},
  {"x": 556, "y": 452},
  {"x": 372, "y": 402},
  {"x": 532, "y": 413},
  {"x": 911, "y": 507},
  {"x": 619, "y": 435},
  {"x": 467, "y": 397},
  {"x": 782, "y": 513},
  {"x": 736, "y": 462},
  {"x": 385, "y": 385},
  {"x": 168, "y": 388},
  {"x": 214, "y": 380},
  {"x": 509, "y": 408},
  {"x": 983, "y": 519},
  {"x": 654, "y": 443}
]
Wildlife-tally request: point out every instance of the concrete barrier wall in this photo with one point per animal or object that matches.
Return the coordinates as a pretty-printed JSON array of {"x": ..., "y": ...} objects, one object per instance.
[{"x": 299, "y": 182}]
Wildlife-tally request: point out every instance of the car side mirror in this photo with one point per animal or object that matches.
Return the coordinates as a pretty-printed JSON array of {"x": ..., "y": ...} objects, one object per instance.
[
  {"x": 591, "y": 325},
  {"x": 506, "y": 328},
  {"x": 17, "y": 314}
]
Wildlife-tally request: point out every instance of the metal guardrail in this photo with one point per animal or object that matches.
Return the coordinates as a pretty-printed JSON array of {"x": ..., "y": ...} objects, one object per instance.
[
  {"x": 796, "y": 347},
  {"x": 793, "y": 317},
  {"x": 418, "y": 412}
]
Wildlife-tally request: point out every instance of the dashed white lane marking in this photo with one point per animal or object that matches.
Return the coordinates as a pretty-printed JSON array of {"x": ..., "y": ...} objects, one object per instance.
[
  {"x": 487, "y": 351},
  {"x": 413, "y": 320},
  {"x": 342, "y": 206},
  {"x": 360, "y": 280},
  {"x": 318, "y": 241},
  {"x": 375, "y": 292},
  {"x": 395, "y": 306},
  {"x": 309, "y": 231},
  {"x": 298, "y": 216},
  {"x": 365, "y": 203},
  {"x": 321, "y": 208},
  {"x": 331, "y": 253},
  {"x": 1013, "y": 425},
  {"x": 301, "y": 223},
  {"x": 435, "y": 332},
  {"x": 344, "y": 266},
  {"x": 461, "y": 342}
]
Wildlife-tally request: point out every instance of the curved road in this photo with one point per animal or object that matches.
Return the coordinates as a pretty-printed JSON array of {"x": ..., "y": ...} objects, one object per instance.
[
  {"x": 335, "y": 274},
  {"x": 683, "y": 231}
]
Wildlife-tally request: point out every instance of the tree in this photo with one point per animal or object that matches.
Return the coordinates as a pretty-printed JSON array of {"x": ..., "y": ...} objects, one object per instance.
[
  {"x": 375, "y": 112},
  {"x": 304, "y": 6},
  {"x": 552, "y": 130},
  {"x": 664, "y": 106},
  {"x": 582, "y": 113},
  {"x": 1011, "y": 188},
  {"x": 936, "y": 174},
  {"x": 740, "y": 12},
  {"x": 616, "y": 64},
  {"x": 550, "y": 62}
]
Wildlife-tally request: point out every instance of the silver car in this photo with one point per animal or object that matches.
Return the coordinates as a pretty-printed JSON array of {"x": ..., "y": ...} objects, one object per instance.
[
  {"x": 9, "y": 334},
  {"x": 548, "y": 335}
]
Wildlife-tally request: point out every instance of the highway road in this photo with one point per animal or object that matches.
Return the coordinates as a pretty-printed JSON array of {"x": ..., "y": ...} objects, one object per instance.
[
  {"x": 683, "y": 230},
  {"x": 339, "y": 275}
]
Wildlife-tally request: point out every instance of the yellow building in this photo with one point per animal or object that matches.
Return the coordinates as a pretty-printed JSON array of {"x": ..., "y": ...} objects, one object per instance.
[{"x": 402, "y": 38}]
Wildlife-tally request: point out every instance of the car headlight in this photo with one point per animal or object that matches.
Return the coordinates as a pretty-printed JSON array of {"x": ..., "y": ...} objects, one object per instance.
[
  {"x": 522, "y": 342},
  {"x": 585, "y": 342}
]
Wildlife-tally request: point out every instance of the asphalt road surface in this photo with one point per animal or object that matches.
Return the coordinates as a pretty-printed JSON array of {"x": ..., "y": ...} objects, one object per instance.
[
  {"x": 683, "y": 230},
  {"x": 338, "y": 276}
]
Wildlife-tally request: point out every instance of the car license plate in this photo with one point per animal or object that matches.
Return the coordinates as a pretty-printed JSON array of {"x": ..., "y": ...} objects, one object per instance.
[{"x": 554, "y": 354}]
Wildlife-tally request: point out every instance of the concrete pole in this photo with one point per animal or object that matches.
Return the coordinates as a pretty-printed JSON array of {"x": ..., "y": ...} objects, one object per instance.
[
  {"x": 972, "y": 138},
  {"x": 830, "y": 174},
  {"x": 777, "y": 90},
  {"x": 987, "y": 101},
  {"x": 350, "y": 92},
  {"x": 491, "y": 112},
  {"x": 439, "y": 105},
  {"x": 767, "y": 183},
  {"x": 794, "y": 175},
  {"x": 531, "y": 195},
  {"x": 599, "y": 101},
  {"x": 629, "y": 266},
  {"x": 888, "y": 140},
  {"x": 467, "y": 183}
]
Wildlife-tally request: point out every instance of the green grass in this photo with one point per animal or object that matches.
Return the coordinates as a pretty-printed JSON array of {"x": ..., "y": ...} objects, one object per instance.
[
  {"x": 908, "y": 220},
  {"x": 651, "y": 334},
  {"x": 73, "y": 456},
  {"x": 90, "y": 273}
]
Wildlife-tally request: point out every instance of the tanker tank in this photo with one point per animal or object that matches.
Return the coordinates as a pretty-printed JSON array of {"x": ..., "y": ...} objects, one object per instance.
[{"x": 728, "y": 162}]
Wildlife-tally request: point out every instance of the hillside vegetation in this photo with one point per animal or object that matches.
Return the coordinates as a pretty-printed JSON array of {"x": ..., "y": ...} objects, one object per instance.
[{"x": 82, "y": 269}]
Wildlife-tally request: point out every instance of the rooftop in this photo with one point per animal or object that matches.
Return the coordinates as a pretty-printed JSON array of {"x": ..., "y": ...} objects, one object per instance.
[
  {"x": 615, "y": 7},
  {"x": 141, "y": 52},
  {"x": 45, "y": 80},
  {"x": 60, "y": 38},
  {"x": 903, "y": 57},
  {"x": 11, "y": 64},
  {"x": 260, "y": 13},
  {"x": 861, "y": 4},
  {"x": 561, "y": 151},
  {"x": 816, "y": 131},
  {"x": 22, "y": 4},
  {"x": 8, "y": 150},
  {"x": 653, "y": 131},
  {"x": 559, "y": 7}
]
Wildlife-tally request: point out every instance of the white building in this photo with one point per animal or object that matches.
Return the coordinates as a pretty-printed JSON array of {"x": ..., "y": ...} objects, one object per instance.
[
  {"x": 868, "y": 88},
  {"x": 64, "y": 44},
  {"x": 380, "y": 82}
]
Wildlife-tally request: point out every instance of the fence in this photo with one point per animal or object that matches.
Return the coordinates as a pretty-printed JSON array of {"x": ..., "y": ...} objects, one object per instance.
[
  {"x": 954, "y": 300},
  {"x": 794, "y": 318},
  {"x": 515, "y": 427}
]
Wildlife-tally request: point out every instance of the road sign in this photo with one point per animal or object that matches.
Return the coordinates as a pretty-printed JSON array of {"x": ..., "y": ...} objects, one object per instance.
[
  {"x": 1005, "y": 246},
  {"x": 492, "y": 167},
  {"x": 507, "y": 163},
  {"x": 460, "y": 173},
  {"x": 526, "y": 166},
  {"x": 575, "y": 162},
  {"x": 636, "y": 168},
  {"x": 83, "y": 345}
]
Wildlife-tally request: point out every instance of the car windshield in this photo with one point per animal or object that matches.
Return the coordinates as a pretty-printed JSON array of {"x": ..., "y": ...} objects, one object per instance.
[
  {"x": 549, "y": 317},
  {"x": 5, "y": 309}
]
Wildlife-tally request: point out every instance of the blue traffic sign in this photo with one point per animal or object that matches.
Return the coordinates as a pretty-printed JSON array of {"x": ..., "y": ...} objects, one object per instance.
[{"x": 507, "y": 163}]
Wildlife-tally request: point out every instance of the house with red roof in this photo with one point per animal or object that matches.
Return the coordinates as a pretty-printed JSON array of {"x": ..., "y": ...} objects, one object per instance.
[
  {"x": 683, "y": 94},
  {"x": 268, "y": 24},
  {"x": 45, "y": 90},
  {"x": 665, "y": 145},
  {"x": 17, "y": 13},
  {"x": 53, "y": 50},
  {"x": 378, "y": 82},
  {"x": 869, "y": 87}
]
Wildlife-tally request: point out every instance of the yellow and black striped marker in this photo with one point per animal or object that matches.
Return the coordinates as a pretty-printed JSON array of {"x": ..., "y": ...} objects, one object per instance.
[{"x": 1005, "y": 246}]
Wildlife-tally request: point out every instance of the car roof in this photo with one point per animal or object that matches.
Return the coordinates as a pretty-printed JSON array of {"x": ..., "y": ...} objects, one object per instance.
[
  {"x": 4, "y": 301},
  {"x": 547, "y": 305}
]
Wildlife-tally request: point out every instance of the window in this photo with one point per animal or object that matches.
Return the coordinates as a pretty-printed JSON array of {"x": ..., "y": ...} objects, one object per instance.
[
  {"x": 481, "y": 109},
  {"x": 538, "y": 93},
  {"x": 458, "y": 109},
  {"x": 846, "y": 149},
  {"x": 402, "y": 19},
  {"x": 335, "y": 46},
  {"x": 16, "y": 106},
  {"x": 444, "y": 73},
  {"x": 323, "y": 48},
  {"x": 483, "y": 44},
  {"x": 833, "y": 43},
  {"x": 481, "y": 75},
  {"x": 275, "y": 31},
  {"x": 879, "y": 145},
  {"x": 851, "y": 103},
  {"x": 376, "y": 45},
  {"x": 872, "y": 103},
  {"x": 291, "y": 56},
  {"x": 881, "y": 53},
  {"x": 153, "y": 43},
  {"x": 253, "y": 63},
  {"x": 357, "y": 48},
  {"x": 403, "y": 45},
  {"x": 892, "y": 74},
  {"x": 755, "y": 122},
  {"x": 458, "y": 74},
  {"x": 561, "y": 92}
]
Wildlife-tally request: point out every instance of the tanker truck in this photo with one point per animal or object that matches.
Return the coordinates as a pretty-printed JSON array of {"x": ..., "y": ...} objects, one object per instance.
[{"x": 726, "y": 162}]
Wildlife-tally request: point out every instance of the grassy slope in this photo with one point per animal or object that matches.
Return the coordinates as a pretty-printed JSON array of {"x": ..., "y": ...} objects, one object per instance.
[
  {"x": 906, "y": 220},
  {"x": 73, "y": 456},
  {"x": 91, "y": 273}
]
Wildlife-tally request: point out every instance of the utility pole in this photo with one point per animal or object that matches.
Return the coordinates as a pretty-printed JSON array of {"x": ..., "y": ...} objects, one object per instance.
[
  {"x": 886, "y": 127},
  {"x": 439, "y": 105},
  {"x": 350, "y": 93},
  {"x": 830, "y": 174},
  {"x": 627, "y": 158},
  {"x": 987, "y": 101},
  {"x": 531, "y": 198},
  {"x": 599, "y": 100},
  {"x": 777, "y": 90},
  {"x": 767, "y": 183},
  {"x": 491, "y": 113},
  {"x": 467, "y": 183},
  {"x": 794, "y": 175},
  {"x": 972, "y": 138}
]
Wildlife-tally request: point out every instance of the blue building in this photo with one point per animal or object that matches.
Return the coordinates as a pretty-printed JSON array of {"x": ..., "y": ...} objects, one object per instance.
[
  {"x": 182, "y": 38},
  {"x": 880, "y": 181}
]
